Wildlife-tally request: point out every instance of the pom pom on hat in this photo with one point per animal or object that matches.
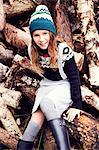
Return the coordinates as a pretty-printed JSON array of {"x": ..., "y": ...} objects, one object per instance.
[{"x": 41, "y": 20}]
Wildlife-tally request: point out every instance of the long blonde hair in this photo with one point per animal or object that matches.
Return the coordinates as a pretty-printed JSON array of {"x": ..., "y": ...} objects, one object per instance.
[{"x": 52, "y": 51}]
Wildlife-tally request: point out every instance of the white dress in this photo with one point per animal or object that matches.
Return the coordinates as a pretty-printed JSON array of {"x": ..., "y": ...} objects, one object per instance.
[{"x": 53, "y": 97}]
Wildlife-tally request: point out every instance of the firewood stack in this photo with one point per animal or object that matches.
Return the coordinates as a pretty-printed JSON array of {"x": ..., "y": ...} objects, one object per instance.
[{"x": 77, "y": 24}]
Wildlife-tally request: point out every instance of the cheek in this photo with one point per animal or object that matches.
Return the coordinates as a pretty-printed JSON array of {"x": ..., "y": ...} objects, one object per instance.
[
  {"x": 48, "y": 38},
  {"x": 35, "y": 40}
]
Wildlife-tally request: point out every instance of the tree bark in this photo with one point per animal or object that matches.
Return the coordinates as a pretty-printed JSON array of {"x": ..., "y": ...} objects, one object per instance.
[
  {"x": 23, "y": 62},
  {"x": 3, "y": 70},
  {"x": 90, "y": 97},
  {"x": 11, "y": 74},
  {"x": 27, "y": 85},
  {"x": 28, "y": 92},
  {"x": 10, "y": 97},
  {"x": 49, "y": 141},
  {"x": 2, "y": 16},
  {"x": 85, "y": 130},
  {"x": 5, "y": 54},
  {"x": 60, "y": 16},
  {"x": 19, "y": 62},
  {"x": 16, "y": 37},
  {"x": 8, "y": 121},
  {"x": 62, "y": 23},
  {"x": 90, "y": 36},
  {"x": 8, "y": 139},
  {"x": 79, "y": 59},
  {"x": 18, "y": 7},
  {"x": 59, "y": 13}
]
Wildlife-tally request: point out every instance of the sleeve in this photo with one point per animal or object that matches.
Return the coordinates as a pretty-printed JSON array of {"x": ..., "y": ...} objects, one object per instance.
[
  {"x": 73, "y": 76},
  {"x": 72, "y": 73}
]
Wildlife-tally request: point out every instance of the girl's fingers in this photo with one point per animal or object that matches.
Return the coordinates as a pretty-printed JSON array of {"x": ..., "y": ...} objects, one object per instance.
[
  {"x": 72, "y": 113},
  {"x": 71, "y": 117}
]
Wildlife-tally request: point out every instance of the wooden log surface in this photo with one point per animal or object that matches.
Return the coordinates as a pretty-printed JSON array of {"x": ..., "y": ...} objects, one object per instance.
[
  {"x": 8, "y": 121},
  {"x": 10, "y": 76},
  {"x": 3, "y": 71},
  {"x": 27, "y": 85},
  {"x": 16, "y": 37},
  {"x": 85, "y": 11},
  {"x": 10, "y": 97},
  {"x": 79, "y": 59},
  {"x": 2, "y": 16},
  {"x": 90, "y": 97},
  {"x": 28, "y": 91},
  {"x": 17, "y": 7},
  {"x": 49, "y": 141},
  {"x": 94, "y": 73},
  {"x": 5, "y": 54},
  {"x": 23, "y": 61},
  {"x": 8, "y": 139},
  {"x": 18, "y": 62},
  {"x": 62, "y": 23},
  {"x": 59, "y": 13},
  {"x": 85, "y": 130}
]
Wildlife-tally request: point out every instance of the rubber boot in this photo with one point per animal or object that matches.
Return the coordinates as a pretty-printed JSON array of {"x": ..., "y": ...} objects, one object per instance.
[
  {"x": 60, "y": 134},
  {"x": 24, "y": 145}
]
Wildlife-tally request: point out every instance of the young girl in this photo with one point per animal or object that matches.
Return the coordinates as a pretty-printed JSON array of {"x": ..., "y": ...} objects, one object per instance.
[{"x": 60, "y": 85}]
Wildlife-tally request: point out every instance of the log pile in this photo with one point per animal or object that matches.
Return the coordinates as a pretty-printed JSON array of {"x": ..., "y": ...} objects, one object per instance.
[{"x": 76, "y": 23}]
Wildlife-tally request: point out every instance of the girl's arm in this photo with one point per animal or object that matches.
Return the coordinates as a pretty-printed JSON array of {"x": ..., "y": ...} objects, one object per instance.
[
  {"x": 72, "y": 73},
  {"x": 70, "y": 69}
]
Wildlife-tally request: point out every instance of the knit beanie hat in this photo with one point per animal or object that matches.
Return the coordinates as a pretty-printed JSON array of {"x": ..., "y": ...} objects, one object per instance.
[{"x": 41, "y": 20}]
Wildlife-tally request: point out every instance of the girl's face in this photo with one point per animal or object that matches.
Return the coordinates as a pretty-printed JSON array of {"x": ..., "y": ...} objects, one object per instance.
[{"x": 41, "y": 38}]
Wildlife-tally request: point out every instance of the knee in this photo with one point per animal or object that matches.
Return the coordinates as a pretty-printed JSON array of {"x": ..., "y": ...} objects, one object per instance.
[{"x": 38, "y": 117}]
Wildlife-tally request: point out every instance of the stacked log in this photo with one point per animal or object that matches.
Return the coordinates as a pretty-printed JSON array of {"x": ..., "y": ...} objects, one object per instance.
[
  {"x": 18, "y": 82},
  {"x": 2, "y": 16},
  {"x": 91, "y": 38},
  {"x": 8, "y": 139}
]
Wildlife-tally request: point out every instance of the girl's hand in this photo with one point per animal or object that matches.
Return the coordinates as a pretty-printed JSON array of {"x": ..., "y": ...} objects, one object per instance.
[{"x": 72, "y": 113}]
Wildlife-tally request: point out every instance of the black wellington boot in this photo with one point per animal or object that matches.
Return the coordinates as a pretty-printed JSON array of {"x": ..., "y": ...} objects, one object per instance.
[
  {"x": 24, "y": 145},
  {"x": 60, "y": 134}
]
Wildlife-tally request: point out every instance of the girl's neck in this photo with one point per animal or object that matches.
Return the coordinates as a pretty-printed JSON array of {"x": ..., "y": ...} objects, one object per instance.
[{"x": 42, "y": 51}]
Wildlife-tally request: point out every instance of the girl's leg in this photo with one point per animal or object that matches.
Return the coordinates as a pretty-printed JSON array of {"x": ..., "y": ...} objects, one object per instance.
[
  {"x": 33, "y": 127},
  {"x": 60, "y": 134},
  {"x": 56, "y": 124}
]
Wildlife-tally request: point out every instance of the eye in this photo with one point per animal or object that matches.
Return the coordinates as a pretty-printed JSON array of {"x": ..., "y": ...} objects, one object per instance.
[
  {"x": 36, "y": 35},
  {"x": 46, "y": 33}
]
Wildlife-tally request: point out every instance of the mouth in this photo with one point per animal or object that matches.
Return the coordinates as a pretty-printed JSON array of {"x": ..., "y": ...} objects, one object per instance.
[{"x": 43, "y": 44}]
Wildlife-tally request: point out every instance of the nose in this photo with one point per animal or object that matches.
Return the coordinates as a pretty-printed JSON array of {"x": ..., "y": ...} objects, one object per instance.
[{"x": 41, "y": 38}]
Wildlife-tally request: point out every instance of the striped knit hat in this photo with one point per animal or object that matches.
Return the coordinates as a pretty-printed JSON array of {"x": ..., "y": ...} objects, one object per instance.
[{"x": 41, "y": 20}]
